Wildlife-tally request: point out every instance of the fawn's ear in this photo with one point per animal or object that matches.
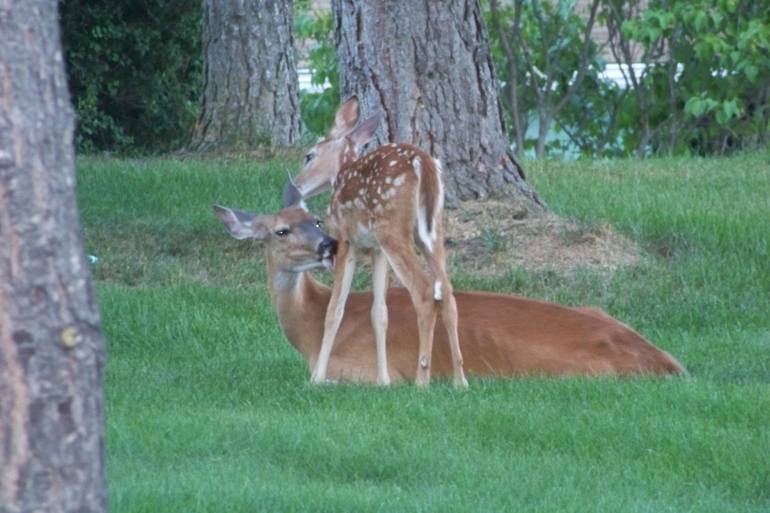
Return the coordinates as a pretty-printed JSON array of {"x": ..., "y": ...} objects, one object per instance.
[
  {"x": 242, "y": 224},
  {"x": 345, "y": 119},
  {"x": 365, "y": 131}
]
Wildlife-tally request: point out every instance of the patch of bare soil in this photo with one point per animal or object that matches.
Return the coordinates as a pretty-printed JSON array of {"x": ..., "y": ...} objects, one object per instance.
[{"x": 491, "y": 237}]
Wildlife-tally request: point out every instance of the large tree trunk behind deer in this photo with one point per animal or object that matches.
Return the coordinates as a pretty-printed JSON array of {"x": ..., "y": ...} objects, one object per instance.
[
  {"x": 251, "y": 93},
  {"x": 427, "y": 66},
  {"x": 51, "y": 347}
]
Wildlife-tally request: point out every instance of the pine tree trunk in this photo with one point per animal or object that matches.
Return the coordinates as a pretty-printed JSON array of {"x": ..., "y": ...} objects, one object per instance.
[
  {"x": 51, "y": 348},
  {"x": 426, "y": 65},
  {"x": 250, "y": 96}
]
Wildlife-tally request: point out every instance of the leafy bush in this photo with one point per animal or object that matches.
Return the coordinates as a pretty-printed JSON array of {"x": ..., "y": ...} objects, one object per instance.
[
  {"x": 134, "y": 71},
  {"x": 315, "y": 29},
  {"x": 724, "y": 50},
  {"x": 546, "y": 53},
  {"x": 704, "y": 86}
]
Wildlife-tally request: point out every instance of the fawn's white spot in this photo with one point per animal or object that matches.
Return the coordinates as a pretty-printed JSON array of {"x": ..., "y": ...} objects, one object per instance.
[
  {"x": 417, "y": 166},
  {"x": 437, "y": 291}
]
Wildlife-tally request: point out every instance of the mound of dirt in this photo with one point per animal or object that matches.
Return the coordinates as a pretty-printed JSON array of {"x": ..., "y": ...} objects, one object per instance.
[{"x": 491, "y": 237}]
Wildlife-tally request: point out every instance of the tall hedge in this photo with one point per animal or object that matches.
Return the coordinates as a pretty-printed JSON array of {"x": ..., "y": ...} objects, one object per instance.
[{"x": 134, "y": 71}]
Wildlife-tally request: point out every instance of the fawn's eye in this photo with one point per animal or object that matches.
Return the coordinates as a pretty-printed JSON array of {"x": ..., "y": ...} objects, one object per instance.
[
  {"x": 310, "y": 156},
  {"x": 318, "y": 223},
  {"x": 283, "y": 232}
]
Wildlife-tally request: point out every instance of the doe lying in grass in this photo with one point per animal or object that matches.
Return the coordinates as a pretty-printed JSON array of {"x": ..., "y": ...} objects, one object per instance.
[{"x": 502, "y": 335}]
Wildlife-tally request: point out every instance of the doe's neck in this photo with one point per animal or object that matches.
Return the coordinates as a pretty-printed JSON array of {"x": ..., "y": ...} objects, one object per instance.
[{"x": 300, "y": 302}]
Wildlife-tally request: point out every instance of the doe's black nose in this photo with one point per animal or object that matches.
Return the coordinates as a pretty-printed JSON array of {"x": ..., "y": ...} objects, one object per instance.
[{"x": 328, "y": 244}]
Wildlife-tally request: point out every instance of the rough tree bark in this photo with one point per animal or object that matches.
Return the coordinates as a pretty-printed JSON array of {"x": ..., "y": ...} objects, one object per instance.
[
  {"x": 251, "y": 92},
  {"x": 51, "y": 347},
  {"x": 426, "y": 65}
]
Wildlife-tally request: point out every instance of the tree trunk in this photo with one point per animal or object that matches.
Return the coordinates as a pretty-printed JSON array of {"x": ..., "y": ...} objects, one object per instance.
[
  {"x": 250, "y": 95},
  {"x": 427, "y": 67},
  {"x": 51, "y": 348}
]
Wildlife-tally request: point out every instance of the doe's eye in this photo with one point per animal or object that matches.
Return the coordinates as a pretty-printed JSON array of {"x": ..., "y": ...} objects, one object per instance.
[
  {"x": 282, "y": 232},
  {"x": 318, "y": 223},
  {"x": 310, "y": 156}
]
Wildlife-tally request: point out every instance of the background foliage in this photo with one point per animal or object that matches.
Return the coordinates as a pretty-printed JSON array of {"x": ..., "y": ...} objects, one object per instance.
[
  {"x": 135, "y": 71},
  {"x": 703, "y": 89},
  {"x": 314, "y": 29}
]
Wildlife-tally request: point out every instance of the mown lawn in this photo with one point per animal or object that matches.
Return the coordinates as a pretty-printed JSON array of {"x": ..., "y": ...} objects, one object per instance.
[{"x": 209, "y": 409}]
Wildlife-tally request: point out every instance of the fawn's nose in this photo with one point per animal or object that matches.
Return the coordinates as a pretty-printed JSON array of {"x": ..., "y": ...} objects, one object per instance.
[{"x": 327, "y": 246}]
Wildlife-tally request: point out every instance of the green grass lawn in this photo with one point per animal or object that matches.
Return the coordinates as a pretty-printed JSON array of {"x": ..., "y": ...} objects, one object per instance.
[{"x": 209, "y": 408}]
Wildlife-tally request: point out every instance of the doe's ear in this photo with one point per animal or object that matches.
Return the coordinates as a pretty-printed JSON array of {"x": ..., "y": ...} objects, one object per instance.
[
  {"x": 292, "y": 197},
  {"x": 345, "y": 119},
  {"x": 242, "y": 224},
  {"x": 365, "y": 131}
]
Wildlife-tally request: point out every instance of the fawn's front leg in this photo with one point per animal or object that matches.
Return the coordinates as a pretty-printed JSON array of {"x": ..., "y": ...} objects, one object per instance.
[{"x": 343, "y": 278}]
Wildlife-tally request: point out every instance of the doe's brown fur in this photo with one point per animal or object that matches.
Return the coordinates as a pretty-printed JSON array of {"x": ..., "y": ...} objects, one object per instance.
[{"x": 503, "y": 334}]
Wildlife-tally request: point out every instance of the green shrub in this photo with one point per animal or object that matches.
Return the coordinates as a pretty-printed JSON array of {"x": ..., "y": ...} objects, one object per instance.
[
  {"x": 315, "y": 28},
  {"x": 704, "y": 89},
  {"x": 134, "y": 71},
  {"x": 724, "y": 49}
]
